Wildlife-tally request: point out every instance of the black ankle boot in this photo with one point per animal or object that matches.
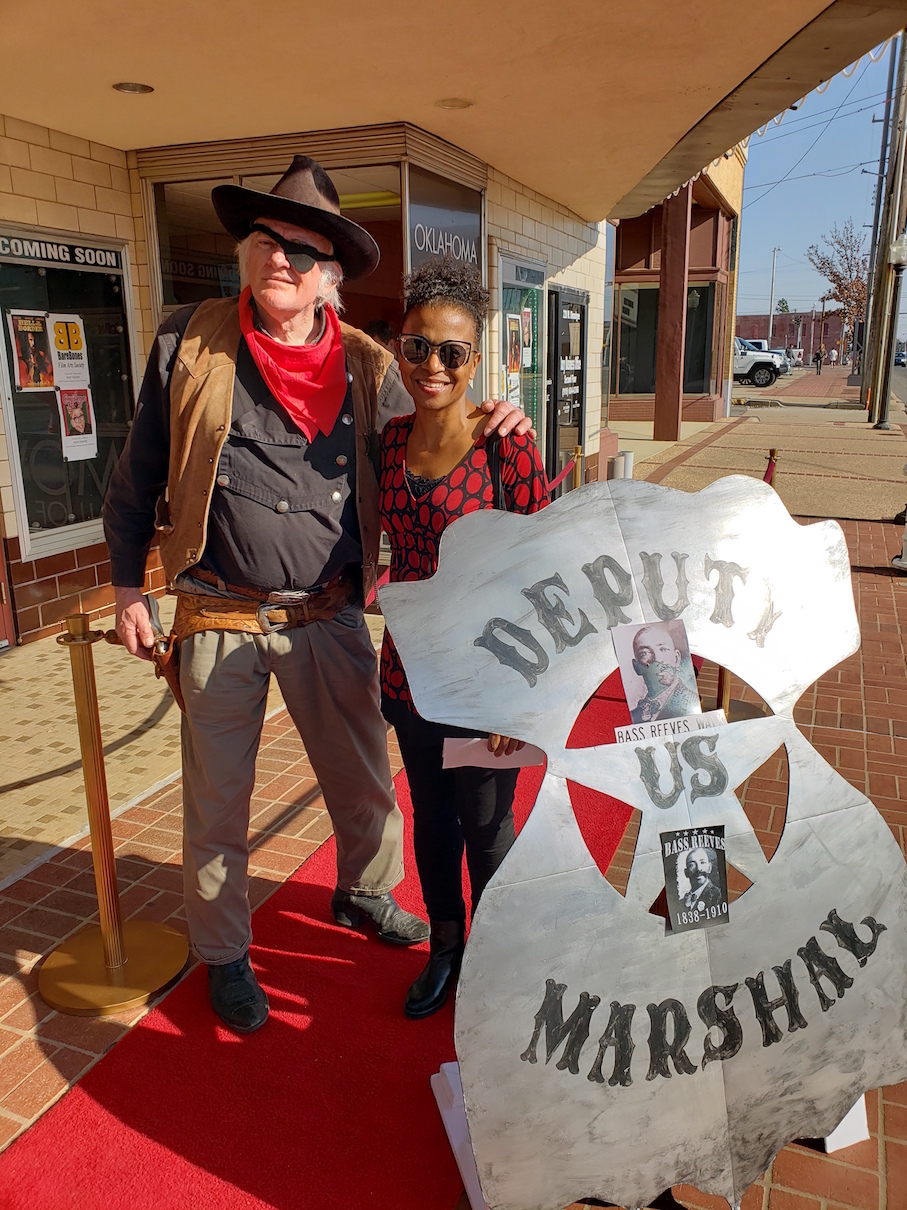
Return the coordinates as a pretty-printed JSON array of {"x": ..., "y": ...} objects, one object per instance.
[
  {"x": 429, "y": 991},
  {"x": 236, "y": 996}
]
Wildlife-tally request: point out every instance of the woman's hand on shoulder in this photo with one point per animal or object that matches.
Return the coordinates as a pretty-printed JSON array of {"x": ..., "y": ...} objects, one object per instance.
[{"x": 504, "y": 418}]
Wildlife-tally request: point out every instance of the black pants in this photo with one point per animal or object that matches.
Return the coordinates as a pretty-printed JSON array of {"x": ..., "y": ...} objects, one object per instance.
[{"x": 452, "y": 808}]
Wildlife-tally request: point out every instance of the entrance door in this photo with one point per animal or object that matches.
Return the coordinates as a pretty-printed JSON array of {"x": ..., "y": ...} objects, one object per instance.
[{"x": 566, "y": 395}]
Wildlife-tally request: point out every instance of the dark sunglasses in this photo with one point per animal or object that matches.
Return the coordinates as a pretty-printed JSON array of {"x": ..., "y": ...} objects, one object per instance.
[
  {"x": 452, "y": 354},
  {"x": 301, "y": 256}
]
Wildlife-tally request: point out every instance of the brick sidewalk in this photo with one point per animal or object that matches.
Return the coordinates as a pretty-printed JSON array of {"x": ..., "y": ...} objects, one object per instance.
[
  {"x": 856, "y": 717},
  {"x": 830, "y": 384}
]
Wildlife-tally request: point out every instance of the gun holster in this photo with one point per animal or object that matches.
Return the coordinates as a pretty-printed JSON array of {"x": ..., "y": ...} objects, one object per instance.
[{"x": 165, "y": 656}]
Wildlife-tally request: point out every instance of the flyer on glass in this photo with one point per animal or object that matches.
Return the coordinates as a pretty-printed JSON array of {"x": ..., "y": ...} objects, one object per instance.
[
  {"x": 695, "y": 877},
  {"x": 527, "y": 338},
  {"x": 67, "y": 348},
  {"x": 34, "y": 368},
  {"x": 514, "y": 344},
  {"x": 77, "y": 424}
]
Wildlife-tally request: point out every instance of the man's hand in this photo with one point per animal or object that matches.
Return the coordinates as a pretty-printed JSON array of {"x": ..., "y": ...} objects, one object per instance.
[
  {"x": 504, "y": 745},
  {"x": 506, "y": 418},
  {"x": 134, "y": 622}
]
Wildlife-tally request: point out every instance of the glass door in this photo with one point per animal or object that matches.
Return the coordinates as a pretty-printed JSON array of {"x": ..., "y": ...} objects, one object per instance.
[{"x": 567, "y": 314}]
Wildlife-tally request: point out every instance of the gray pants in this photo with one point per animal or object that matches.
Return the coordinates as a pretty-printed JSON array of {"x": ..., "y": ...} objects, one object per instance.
[{"x": 328, "y": 675}]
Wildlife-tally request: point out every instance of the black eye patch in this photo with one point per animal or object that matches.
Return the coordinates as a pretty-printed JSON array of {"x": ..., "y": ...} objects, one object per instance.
[{"x": 301, "y": 256}]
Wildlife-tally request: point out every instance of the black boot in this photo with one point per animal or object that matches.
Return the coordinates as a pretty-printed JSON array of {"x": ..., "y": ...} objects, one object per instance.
[
  {"x": 429, "y": 991},
  {"x": 236, "y": 997},
  {"x": 383, "y": 911}
]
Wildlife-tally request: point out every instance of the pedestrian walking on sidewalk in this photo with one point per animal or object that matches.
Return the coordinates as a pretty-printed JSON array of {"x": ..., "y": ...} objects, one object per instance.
[
  {"x": 819, "y": 357},
  {"x": 253, "y": 456},
  {"x": 833, "y": 358},
  {"x": 436, "y": 466}
]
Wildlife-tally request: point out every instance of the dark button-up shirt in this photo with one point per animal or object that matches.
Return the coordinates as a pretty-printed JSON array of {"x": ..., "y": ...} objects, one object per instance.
[{"x": 282, "y": 511}]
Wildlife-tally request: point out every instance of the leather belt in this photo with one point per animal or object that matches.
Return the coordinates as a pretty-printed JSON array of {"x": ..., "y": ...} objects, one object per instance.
[{"x": 262, "y": 614}]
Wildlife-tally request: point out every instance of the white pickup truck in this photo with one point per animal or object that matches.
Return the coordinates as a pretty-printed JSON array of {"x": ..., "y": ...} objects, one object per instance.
[{"x": 757, "y": 366}]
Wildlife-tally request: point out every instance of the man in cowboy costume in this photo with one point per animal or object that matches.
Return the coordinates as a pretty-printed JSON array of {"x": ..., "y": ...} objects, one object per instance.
[{"x": 253, "y": 455}]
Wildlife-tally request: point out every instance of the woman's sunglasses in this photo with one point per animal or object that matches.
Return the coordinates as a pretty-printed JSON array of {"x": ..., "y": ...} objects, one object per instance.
[{"x": 452, "y": 354}]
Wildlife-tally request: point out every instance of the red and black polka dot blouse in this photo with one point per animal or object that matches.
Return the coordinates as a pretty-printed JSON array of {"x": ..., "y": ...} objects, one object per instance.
[{"x": 414, "y": 523}]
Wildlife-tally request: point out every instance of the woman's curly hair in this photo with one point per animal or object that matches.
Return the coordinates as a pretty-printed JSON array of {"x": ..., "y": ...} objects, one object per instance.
[{"x": 443, "y": 281}]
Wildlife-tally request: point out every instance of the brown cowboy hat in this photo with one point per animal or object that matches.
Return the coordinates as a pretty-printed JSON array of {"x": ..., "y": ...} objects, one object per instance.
[{"x": 306, "y": 197}]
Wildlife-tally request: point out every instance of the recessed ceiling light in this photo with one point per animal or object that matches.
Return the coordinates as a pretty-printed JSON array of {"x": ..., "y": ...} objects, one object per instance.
[
  {"x": 454, "y": 103},
  {"x": 129, "y": 87}
]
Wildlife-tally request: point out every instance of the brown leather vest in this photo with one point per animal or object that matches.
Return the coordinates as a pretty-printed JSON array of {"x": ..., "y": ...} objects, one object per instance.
[{"x": 201, "y": 400}]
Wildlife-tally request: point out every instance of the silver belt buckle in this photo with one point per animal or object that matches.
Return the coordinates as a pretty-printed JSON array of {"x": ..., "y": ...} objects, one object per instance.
[
  {"x": 296, "y": 597},
  {"x": 279, "y": 600}
]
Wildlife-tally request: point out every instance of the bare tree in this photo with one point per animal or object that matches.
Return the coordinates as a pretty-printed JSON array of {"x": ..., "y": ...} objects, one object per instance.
[{"x": 844, "y": 267}]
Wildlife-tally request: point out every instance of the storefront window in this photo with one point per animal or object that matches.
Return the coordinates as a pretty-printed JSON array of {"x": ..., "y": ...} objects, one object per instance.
[
  {"x": 68, "y": 375},
  {"x": 697, "y": 360},
  {"x": 197, "y": 258},
  {"x": 636, "y": 314}
]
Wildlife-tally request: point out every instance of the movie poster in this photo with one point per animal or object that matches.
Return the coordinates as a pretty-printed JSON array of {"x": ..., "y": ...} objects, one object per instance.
[
  {"x": 527, "y": 337},
  {"x": 33, "y": 369},
  {"x": 67, "y": 348},
  {"x": 695, "y": 877},
  {"x": 78, "y": 429},
  {"x": 656, "y": 670},
  {"x": 514, "y": 344}
]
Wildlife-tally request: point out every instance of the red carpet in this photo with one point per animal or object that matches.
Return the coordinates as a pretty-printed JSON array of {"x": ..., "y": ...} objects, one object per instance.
[{"x": 327, "y": 1107}]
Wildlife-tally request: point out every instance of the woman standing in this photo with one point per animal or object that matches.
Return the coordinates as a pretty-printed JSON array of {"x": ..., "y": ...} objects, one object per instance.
[{"x": 434, "y": 469}]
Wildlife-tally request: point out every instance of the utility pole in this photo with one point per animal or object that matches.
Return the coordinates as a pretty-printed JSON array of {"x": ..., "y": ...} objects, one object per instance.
[
  {"x": 890, "y": 227},
  {"x": 883, "y": 160},
  {"x": 771, "y": 305}
]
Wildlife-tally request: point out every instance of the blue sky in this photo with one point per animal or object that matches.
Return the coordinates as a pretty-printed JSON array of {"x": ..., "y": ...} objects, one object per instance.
[{"x": 834, "y": 134}]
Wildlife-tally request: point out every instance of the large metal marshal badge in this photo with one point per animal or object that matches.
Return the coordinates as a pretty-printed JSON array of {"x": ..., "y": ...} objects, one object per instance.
[{"x": 601, "y": 1054}]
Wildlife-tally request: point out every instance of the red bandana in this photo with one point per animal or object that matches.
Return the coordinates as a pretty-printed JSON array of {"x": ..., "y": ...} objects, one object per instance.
[{"x": 309, "y": 381}]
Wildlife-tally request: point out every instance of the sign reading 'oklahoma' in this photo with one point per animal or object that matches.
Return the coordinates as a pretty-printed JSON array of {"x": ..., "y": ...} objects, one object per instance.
[{"x": 602, "y": 1054}]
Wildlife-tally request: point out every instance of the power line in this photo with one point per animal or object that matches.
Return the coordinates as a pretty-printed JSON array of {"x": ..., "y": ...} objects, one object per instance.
[
  {"x": 800, "y": 129},
  {"x": 812, "y": 144},
  {"x": 808, "y": 117},
  {"x": 830, "y": 173}
]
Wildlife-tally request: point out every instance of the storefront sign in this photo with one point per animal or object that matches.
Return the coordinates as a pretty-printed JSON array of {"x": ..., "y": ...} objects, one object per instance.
[
  {"x": 445, "y": 219},
  {"x": 606, "y": 1051},
  {"x": 50, "y": 252}
]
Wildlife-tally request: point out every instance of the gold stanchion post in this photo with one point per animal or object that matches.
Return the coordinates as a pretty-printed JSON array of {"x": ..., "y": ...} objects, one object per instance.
[
  {"x": 117, "y": 965},
  {"x": 577, "y": 466}
]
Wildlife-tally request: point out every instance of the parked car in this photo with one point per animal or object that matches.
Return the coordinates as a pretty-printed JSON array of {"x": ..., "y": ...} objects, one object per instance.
[
  {"x": 754, "y": 365},
  {"x": 786, "y": 366},
  {"x": 900, "y": 358},
  {"x": 762, "y": 345}
]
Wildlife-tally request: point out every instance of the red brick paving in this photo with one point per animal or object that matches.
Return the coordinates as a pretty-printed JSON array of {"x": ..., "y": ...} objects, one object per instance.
[
  {"x": 830, "y": 384},
  {"x": 855, "y": 716}
]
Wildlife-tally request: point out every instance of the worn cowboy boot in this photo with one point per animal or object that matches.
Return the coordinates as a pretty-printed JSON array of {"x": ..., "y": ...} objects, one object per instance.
[
  {"x": 429, "y": 991},
  {"x": 383, "y": 911}
]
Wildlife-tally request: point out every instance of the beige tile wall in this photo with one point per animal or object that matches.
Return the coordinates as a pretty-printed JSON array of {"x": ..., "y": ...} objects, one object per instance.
[
  {"x": 58, "y": 181},
  {"x": 526, "y": 223}
]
